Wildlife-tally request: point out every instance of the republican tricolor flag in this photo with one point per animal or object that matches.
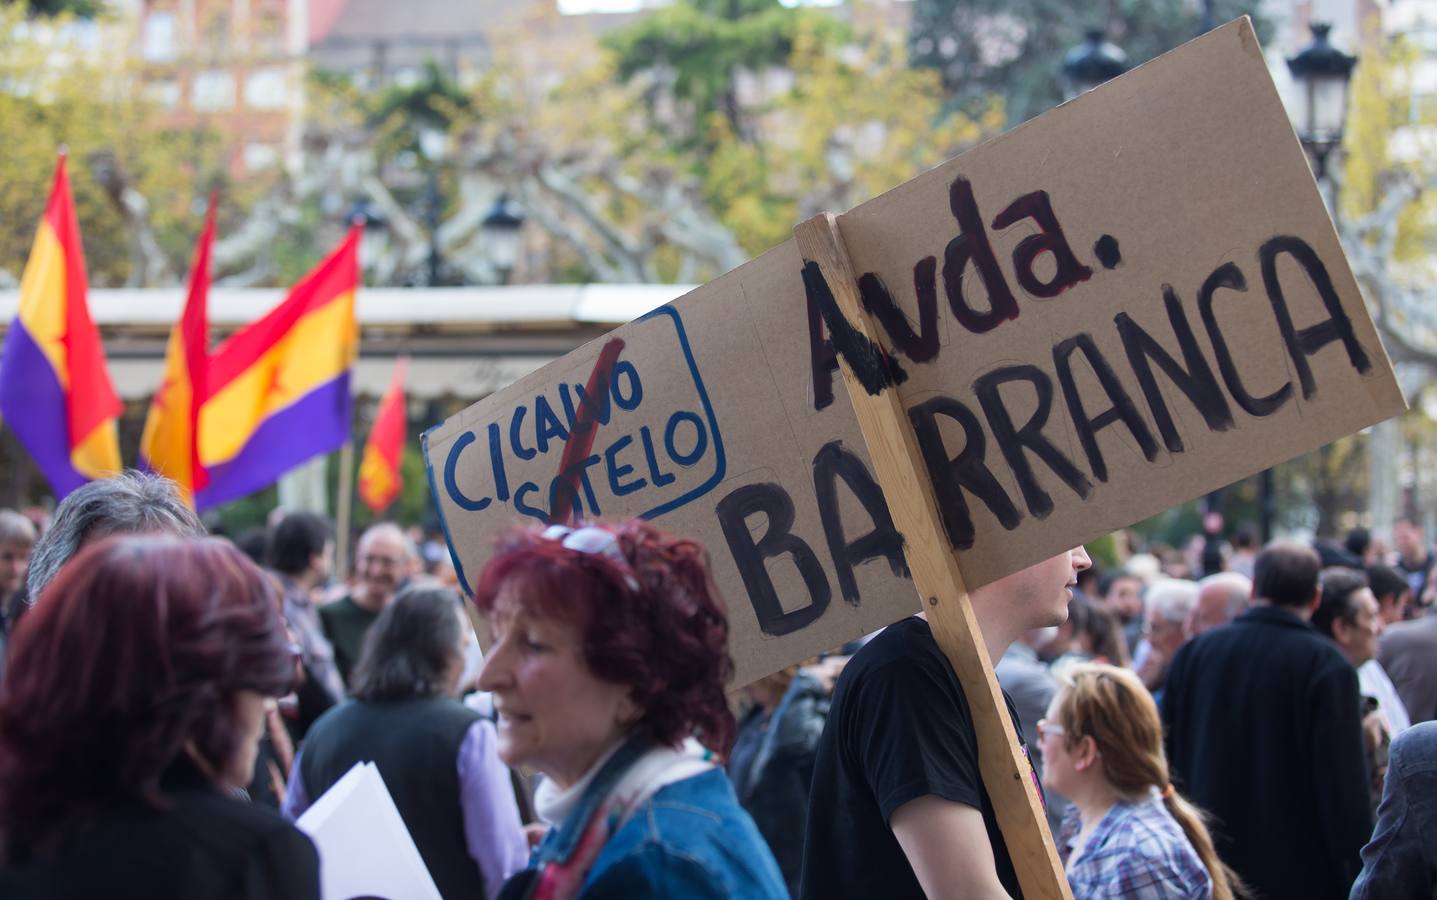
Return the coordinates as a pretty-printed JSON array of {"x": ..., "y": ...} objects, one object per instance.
[
  {"x": 379, "y": 477},
  {"x": 278, "y": 390},
  {"x": 170, "y": 445},
  {"x": 55, "y": 390}
]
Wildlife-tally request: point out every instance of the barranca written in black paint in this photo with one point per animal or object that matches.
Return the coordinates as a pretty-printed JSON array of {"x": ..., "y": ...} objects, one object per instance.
[{"x": 758, "y": 520}]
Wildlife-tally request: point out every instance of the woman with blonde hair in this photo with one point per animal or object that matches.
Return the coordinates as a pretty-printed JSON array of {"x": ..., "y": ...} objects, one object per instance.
[{"x": 1129, "y": 834}]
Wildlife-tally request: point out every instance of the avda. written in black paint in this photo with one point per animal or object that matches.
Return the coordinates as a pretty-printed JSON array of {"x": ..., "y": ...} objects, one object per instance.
[{"x": 758, "y": 519}]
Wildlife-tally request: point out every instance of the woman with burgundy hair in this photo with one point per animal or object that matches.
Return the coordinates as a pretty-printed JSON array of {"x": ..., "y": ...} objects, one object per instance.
[
  {"x": 134, "y": 697},
  {"x": 608, "y": 665}
]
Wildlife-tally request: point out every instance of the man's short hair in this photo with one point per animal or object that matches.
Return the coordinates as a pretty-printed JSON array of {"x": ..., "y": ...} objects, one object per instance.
[
  {"x": 15, "y": 528},
  {"x": 1339, "y": 592},
  {"x": 297, "y": 539},
  {"x": 1172, "y": 599},
  {"x": 1386, "y": 581},
  {"x": 1245, "y": 537},
  {"x": 1358, "y": 541},
  {"x": 131, "y": 502},
  {"x": 1108, "y": 579},
  {"x": 1285, "y": 573}
]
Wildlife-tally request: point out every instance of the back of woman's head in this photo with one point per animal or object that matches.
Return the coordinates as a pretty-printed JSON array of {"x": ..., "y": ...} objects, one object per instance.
[
  {"x": 1111, "y": 705},
  {"x": 134, "y": 658},
  {"x": 412, "y": 649},
  {"x": 649, "y": 612}
]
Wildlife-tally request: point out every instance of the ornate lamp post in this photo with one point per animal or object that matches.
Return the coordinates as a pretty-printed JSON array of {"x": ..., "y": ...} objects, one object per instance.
[
  {"x": 500, "y": 229},
  {"x": 1323, "y": 72},
  {"x": 434, "y": 146}
]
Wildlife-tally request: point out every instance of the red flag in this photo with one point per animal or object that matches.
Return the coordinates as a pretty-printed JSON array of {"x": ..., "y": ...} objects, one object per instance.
[{"x": 379, "y": 477}]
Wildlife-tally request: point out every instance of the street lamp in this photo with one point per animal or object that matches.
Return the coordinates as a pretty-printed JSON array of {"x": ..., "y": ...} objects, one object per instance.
[
  {"x": 500, "y": 230},
  {"x": 1323, "y": 72},
  {"x": 1091, "y": 63},
  {"x": 365, "y": 213},
  {"x": 434, "y": 146}
]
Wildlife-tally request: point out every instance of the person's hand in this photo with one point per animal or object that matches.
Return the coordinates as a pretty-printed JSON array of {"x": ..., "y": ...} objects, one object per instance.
[{"x": 534, "y": 833}]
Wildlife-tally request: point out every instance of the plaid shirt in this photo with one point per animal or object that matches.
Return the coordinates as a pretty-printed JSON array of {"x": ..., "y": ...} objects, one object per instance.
[{"x": 1137, "y": 852}]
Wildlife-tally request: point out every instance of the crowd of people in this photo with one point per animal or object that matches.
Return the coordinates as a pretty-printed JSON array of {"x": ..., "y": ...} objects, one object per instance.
[{"x": 1239, "y": 721}]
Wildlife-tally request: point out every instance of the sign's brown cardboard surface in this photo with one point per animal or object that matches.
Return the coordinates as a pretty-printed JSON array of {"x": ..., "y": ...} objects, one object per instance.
[{"x": 1121, "y": 305}]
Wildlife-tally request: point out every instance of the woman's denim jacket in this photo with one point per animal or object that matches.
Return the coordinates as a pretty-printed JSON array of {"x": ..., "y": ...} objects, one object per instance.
[{"x": 690, "y": 839}]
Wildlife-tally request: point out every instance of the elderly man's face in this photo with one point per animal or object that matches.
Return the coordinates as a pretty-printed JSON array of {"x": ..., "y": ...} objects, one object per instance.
[
  {"x": 14, "y": 563},
  {"x": 1165, "y": 635},
  {"x": 382, "y": 564}
]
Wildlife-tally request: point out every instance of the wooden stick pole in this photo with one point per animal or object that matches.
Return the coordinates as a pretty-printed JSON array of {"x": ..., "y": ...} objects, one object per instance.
[
  {"x": 344, "y": 512},
  {"x": 898, "y": 466}
]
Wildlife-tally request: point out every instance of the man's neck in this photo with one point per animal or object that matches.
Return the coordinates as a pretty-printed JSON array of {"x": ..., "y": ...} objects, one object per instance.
[
  {"x": 995, "y": 636},
  {"x": 1302, "y": 612}
]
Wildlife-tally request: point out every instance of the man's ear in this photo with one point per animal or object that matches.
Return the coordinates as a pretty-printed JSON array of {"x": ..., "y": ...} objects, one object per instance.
[
  {"x": 1341, "y": 630},
  {"x": 1316, "y": 600}
]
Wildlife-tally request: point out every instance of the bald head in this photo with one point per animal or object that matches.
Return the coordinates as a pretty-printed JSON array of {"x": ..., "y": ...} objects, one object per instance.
[
  {"x": 1220, "y": 599},
  {"x": 384, "y": 558}
]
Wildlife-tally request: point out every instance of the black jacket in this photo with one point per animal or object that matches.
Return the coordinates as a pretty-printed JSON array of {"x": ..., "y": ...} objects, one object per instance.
[
  {"x": 774, "y": 785},
  {"x": 207, "y": 845},
  {"x": 1264, "y": 732}
]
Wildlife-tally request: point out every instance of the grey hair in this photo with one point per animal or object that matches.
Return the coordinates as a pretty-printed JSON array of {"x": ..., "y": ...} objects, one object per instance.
[
  {"x": 1172, "y": 599},
  {"x": 1236, "y": 586},
  {"x": 15, "y": 528},
  {"x": 387, "y": 529},
  {"x": 132, "y": 502}
]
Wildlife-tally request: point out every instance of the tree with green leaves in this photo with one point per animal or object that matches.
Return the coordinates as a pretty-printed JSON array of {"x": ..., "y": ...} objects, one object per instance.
[
  {"x": 695, "y": 50},
  {"x": 1014, "y": 49},
  {"x": 136, "y": 182}
]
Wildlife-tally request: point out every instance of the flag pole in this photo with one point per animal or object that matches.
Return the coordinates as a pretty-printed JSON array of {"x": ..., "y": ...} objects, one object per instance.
[{"x": 343, "y": 514}]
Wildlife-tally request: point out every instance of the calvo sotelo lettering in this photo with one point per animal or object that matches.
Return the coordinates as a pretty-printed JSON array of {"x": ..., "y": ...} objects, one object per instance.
[{"x": 662, "y": 463}]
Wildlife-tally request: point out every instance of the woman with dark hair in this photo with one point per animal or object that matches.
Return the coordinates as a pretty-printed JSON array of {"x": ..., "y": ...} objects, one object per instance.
[
  {"x": 436, "y": 755},
  {"x": 608, "y": 666},
  {"x": 1129, "y": 834},
  {"x": 135, "y": 695}
]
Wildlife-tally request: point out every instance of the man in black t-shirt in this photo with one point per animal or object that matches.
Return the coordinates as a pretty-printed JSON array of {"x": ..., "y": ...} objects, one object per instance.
[{"x": 898, "y": 808}]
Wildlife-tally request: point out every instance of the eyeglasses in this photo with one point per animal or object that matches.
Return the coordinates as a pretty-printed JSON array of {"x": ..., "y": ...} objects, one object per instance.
[
  {"x": 596, "y": 541},
  {"x": 1046, "y": 728}
]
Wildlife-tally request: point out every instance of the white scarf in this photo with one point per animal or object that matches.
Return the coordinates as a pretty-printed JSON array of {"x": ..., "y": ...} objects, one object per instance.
[{"x": 656, "y": 769}]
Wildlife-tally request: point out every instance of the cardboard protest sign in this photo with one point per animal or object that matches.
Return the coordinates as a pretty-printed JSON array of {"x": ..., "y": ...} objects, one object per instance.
[{"x": 1123, "y": 304}]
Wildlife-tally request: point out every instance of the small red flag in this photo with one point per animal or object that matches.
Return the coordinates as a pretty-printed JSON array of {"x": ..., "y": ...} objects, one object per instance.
[{"x": 379, "y": 477}]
